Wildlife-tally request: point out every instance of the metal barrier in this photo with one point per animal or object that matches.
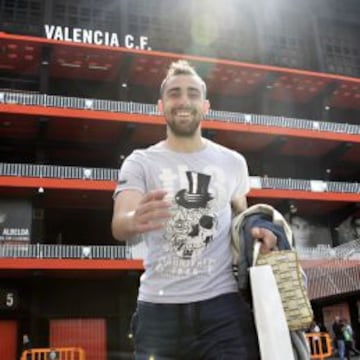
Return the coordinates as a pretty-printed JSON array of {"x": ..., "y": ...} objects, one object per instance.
[
  {"x": 54, "y": 354},
  {"x": 55, "y": 251},
  {"x": 108, "y": 174},
  {"x": 320, "y": 345},
  {"x": 34, "y": 99},
  {"x": 59, "y": 172},
  {"x": 285, "y": 184}
]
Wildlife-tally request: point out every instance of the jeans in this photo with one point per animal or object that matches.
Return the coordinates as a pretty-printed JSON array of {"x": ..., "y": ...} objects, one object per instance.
[
  {"x": 341, "y": 349},
  {"x": 221, "y": 328}
]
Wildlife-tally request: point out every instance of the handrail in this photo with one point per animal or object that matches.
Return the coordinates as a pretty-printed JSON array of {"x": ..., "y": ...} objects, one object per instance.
[
  {"x": 108, "y": 174},
  {"x": 58, "y": 172},
  {"x": 57, "y": 101},
  {"x": 56, "y": 251},
  {"x": 349, "y": 252}
]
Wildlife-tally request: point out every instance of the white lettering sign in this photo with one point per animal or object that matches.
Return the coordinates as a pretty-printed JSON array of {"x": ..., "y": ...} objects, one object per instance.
[
  {"x": 16, "y": 232},
  {"x": 97, "y": 37}
]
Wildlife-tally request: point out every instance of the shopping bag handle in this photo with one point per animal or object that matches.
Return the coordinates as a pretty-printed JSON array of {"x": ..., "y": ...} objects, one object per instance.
[{"x": 256, "y": 251}]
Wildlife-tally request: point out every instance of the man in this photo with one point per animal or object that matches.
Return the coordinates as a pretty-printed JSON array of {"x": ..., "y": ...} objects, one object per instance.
[
  {"x": 337, "y": 328},
  {"x": 26, "y": 346},
  {"x": 3, "y": 217},
  {"x": 355, "y": 226},
  {"x": 180, "y": 195}
]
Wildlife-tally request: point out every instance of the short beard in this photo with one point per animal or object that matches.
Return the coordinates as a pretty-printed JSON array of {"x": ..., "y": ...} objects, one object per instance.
[{"x": 184, "y": 132}]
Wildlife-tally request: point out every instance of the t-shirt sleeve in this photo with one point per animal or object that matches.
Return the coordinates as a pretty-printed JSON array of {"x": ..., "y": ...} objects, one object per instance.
[
  {"x": 131, "y": 175},
  {"x": 241, "y": 173}
]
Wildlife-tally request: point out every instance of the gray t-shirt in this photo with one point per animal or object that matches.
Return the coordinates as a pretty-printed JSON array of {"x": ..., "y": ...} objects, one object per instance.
[{"x": 190, "y": 258}]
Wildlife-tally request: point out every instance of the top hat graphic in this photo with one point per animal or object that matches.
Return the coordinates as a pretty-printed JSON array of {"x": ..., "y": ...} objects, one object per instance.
[{"x": 197, "y": 195}]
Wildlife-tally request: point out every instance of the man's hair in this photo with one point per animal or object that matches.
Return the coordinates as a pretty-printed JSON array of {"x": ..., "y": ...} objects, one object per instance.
[
  {"x": 354, "y": 220},
  {"x": 181, "y": 67}
]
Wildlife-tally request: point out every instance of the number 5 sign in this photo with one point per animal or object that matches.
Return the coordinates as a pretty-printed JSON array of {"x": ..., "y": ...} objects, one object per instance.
[{"x": 8, "y": 299}]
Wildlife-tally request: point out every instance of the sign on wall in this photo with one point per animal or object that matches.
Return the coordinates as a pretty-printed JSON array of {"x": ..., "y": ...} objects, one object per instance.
[
  {"x": 309, "y": 233},
  {"x": 96, "y": 37},
  {"x": 8, "y": 299},
  {"x": 15, "y": 221}
]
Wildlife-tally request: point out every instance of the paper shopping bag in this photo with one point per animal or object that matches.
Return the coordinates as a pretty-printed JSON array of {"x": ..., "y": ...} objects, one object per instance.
[{"x": 270, "y": 320}]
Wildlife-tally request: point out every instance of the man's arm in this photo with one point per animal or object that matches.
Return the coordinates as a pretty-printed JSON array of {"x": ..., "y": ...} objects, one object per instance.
[
  {"x": 239, "y": 204},
  {"x": 135, "y": 213}
]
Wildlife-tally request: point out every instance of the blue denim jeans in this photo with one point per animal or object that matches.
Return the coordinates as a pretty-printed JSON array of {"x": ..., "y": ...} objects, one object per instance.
[
  {"x": 341, "y": 349},
  {"x": 221, "y": 328}
]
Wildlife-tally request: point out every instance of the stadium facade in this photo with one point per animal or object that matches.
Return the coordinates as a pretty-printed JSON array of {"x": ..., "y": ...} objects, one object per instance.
[{"x": 78, "y": 84}]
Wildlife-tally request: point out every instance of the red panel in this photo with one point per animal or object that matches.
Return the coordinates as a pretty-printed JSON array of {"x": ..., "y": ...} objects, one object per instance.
[
  {"x": 89, "y": 334},
  {"x": 148, "y": 70},
  {"x": 85, "y": 63},
  {"x": 78, "y": 265},
  {"x": 299, "y": 87},
  {"x": 233, "y": 80},
  {"x": 8, "y": 340},
  {"x": 20, "y": 57},
  {"x": 346, "y": 95}
]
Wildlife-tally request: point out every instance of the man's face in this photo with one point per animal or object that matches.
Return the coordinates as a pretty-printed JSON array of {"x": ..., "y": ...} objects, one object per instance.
[
  {"x": 2, "y": 218},
  {"x": 357, "y": 227},
  {"x": 183, "y": 104},
  {"x": 302, "y": 231}
]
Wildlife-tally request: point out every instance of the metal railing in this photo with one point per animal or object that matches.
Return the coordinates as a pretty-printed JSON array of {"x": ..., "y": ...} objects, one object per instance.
[
  {"x": 55, "y": 251},
  {"x": 343, "y": 187},
  {"x": 58, "y": 172},
  {"x": 108, "y": 174},
  {"x": 34, "y": 99},
  {"x": 349, "y": 250},
  {"x": 285, "y": 184}
]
